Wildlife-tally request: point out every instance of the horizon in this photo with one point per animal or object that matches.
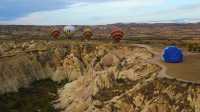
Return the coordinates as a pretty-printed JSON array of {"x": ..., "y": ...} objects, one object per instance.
[
  {"x": 150, "y": 23},
  {"x": 96, "y": 12}
]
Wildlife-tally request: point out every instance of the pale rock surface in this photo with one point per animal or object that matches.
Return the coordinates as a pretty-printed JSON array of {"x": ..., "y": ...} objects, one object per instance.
[
  {"x": 109, "y": 60},
  {"x": 86, "y": 88}
]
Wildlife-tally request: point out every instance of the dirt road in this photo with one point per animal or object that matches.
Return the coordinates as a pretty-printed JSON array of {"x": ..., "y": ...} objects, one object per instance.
[{"x": 188, "y": 71}]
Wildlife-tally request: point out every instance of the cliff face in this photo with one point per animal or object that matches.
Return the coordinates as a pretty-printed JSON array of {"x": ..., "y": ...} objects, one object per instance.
[
  {"x": 20, "y": 71},
  {"x": 22, "y": 63}
]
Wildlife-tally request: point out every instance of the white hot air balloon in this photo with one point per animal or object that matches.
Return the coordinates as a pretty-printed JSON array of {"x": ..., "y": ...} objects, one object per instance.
[{"x": 69, "y": 31}]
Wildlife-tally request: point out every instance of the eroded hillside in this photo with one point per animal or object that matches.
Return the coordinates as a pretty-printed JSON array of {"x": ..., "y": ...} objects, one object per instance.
[{"x": 104, "y": 77}]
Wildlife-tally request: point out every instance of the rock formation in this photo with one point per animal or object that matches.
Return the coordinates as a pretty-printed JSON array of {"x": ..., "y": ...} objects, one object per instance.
[{"x": 103, "y": 77}]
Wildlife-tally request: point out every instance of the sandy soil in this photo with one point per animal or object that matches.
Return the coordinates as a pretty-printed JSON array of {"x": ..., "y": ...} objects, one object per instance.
[{"x": 188, "y": 70}]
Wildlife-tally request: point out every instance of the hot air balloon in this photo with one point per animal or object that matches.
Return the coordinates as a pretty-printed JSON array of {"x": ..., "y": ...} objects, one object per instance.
[
  {"x": 55, "y": 33},
  {"x": 87, "y": 33},
  {"x": 69, "y": 31},
  {"x": 172, "y": 54},
  {"x": 117, "y": 34}
]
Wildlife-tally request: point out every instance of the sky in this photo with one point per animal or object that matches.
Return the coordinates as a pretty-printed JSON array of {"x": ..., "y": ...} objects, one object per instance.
[{"x": 97, "y": 12}]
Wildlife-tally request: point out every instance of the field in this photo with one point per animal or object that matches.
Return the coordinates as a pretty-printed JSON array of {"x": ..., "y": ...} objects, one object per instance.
[{"x": 38, "y": 74}]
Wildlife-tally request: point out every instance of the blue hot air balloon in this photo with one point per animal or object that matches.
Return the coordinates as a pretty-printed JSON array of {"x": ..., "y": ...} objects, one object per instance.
[{"x": 172, "y": 54}]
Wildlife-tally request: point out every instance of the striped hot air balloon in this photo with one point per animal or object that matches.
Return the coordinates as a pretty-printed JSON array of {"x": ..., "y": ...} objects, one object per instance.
[{"x": 117, "y": 34}]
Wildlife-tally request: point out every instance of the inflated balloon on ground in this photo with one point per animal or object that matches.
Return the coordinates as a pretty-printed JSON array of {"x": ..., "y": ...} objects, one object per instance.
[{"x": 172, "y": 54}]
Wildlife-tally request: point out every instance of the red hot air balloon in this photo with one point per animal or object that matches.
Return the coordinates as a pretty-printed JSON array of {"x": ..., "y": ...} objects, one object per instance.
[
  {"x": 117, "y": 34},
  {"x": 55, "y": 34}
]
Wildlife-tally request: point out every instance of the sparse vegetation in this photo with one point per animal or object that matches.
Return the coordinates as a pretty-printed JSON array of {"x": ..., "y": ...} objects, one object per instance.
[{"x": 37, "y": 98}]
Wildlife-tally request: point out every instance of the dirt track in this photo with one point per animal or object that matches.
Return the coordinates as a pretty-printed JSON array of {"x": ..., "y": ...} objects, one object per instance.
[{"x": 187, "y": 71}]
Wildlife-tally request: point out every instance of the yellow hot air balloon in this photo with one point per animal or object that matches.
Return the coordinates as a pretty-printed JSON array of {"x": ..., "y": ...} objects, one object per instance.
[{"x": 87, "y": 34}]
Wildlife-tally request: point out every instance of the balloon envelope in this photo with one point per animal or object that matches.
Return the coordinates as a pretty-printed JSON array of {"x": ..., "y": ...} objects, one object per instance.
[
  {"x": 87, "y": 33},
  {"x": 117, "y": 34},
  {"x": 55, "y": 34},
  {"x": 69, "y": 29},
  {"x": 172, "y": 54}
]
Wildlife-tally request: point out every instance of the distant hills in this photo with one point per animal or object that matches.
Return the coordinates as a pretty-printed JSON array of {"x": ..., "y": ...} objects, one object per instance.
[
  {"x": 179, "y": 21},
  {"x": 169, "y": 29}
]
